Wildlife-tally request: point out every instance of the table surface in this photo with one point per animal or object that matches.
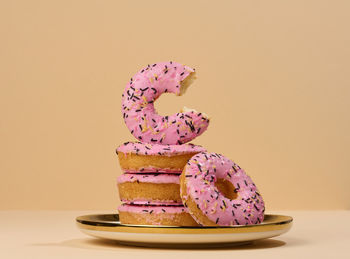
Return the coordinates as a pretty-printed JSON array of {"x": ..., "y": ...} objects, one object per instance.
[{"x": 53, "y": 234}]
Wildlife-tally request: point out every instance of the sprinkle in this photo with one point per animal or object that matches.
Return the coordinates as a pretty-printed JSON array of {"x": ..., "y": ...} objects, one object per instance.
[{"x": 217, "y": 220}]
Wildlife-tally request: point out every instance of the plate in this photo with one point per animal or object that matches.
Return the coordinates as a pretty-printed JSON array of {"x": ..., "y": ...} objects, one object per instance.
[{"x": 108, "y": 226}]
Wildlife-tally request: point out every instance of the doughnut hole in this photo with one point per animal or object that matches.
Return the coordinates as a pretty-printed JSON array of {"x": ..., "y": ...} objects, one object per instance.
[{"x": 226, "y": 188}]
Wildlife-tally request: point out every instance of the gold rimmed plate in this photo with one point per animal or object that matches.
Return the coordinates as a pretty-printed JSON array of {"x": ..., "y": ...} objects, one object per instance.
[{"x": 108, "y": 226}]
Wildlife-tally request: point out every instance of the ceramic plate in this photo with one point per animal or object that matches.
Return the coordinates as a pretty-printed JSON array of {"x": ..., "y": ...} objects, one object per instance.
[{"x": 107, "y": 226}]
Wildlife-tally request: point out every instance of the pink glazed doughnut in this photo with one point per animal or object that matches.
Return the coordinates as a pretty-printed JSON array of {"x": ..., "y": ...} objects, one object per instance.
[
  {"x": 137, "y": 157},
  {"x": 218, "y": 192},
  {"x": 140, "y": 115}
]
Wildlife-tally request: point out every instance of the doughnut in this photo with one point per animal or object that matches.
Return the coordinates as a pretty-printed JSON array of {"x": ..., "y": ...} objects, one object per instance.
[
  {"x": 145, "y": 189},
  {"x": 140, "y": 115},
  {"x": 217, "y": 192},
  {"x": 136, "y": 157},
  {"x": 155, "y": 215}
]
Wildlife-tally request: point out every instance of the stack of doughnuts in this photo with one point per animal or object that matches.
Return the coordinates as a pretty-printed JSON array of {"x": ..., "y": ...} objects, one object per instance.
[
  {"x": 150, "y": 187},
  {"x": 168, "y": 181}
]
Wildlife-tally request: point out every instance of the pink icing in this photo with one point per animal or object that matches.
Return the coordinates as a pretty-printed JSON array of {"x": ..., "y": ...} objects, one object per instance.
[
  {"x": 151, "y": 209},
  {"x": 201, "y": 173},
  {"x": 156, "y": 149},
  {"x": 152, "y": 170},
  {"x": 140, "y": 115},
  {"x": 149, "y": 178},
  {"x": 152, "y": 202}
]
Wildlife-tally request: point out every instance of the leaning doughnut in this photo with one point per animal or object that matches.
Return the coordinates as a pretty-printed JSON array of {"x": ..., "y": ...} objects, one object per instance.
[
  {"x": 136, "y": 157},
  {"x": 140, "y": 115},
  {"x": 218, "y": 192}
]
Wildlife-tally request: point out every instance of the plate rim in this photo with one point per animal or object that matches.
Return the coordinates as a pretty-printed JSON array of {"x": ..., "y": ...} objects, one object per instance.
[{"x": 282, "y": 222}]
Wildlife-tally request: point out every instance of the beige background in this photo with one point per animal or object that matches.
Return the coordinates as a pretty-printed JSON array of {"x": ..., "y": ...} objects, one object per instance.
[{"x": 273, "y": 76}]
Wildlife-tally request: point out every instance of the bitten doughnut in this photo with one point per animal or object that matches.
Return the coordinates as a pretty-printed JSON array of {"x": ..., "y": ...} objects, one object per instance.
[
  {"x": 155, "y": 215},
  {"x": 140, "y": 115},
  {"x": 136, "y": 157},
  {"x": 218, "y": 192},
  {"x": 149, "y": 188}
]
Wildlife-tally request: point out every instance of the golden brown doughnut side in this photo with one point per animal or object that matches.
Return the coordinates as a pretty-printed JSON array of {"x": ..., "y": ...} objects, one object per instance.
[
  {"x": 136, "y": 162},
  {"x": 149, "y": 191},
  {"x": 168, "y": 219}
]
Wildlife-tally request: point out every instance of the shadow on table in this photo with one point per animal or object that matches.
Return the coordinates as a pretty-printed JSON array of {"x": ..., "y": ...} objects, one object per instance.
[{"x": 101, "y": 244}]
